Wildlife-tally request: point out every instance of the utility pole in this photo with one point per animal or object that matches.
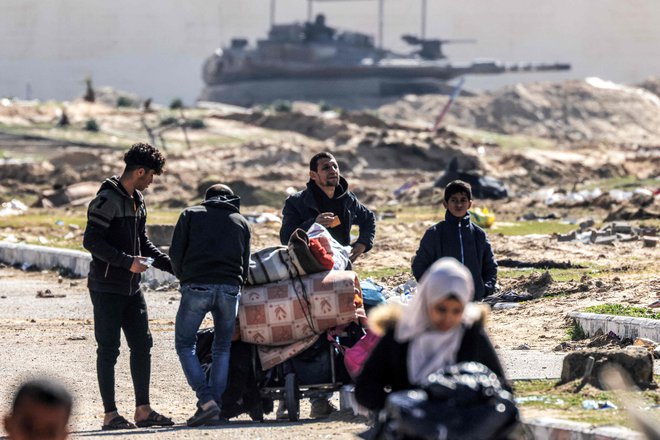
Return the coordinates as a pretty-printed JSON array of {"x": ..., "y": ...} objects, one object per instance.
[
  {"x": 423, "y": 26},
  {"x": 309, "y": 10},
  {"x": 380, "y": 23},
  {"x": 272, "y": 12}
]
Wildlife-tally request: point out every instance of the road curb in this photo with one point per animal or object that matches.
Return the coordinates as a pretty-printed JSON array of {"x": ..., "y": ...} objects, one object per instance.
[
  {"x": 557, "y": 429},
  {"x": 76, "y": 262},
  {"x": 622, "y": 326}
]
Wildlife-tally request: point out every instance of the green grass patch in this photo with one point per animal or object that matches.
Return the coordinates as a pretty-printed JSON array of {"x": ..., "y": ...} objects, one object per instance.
[
  {"x": 621, "y": 310},
  {"x": 506, "y": 141},
  {"x": 562, "y": 275},
  {"x": 377, "y": 274},
  {"x": 46, "y": 218},
  {"x": 531, "y": 227},
  {"x": 411, "y": 214},
  {"x": 576, "y": 332},
  {"x": 625, "y": 183}
]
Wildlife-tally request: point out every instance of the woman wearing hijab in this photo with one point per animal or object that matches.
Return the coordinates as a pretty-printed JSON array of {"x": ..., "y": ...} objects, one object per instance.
[{"x": 440, "y": 327}]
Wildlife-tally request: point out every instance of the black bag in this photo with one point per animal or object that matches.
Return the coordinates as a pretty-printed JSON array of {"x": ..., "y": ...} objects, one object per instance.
[{"x": 465, "y": 401}]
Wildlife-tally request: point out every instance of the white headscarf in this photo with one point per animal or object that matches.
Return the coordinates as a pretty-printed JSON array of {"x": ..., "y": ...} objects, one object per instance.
[{"x": 432, "y": 349}]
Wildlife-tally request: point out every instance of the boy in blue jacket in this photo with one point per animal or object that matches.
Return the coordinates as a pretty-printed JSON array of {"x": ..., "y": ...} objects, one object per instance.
[{"x": 459, "y": 238}]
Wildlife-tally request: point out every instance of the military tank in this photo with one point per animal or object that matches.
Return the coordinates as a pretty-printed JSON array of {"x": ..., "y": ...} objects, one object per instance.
[{"x": 312, "y": 61}]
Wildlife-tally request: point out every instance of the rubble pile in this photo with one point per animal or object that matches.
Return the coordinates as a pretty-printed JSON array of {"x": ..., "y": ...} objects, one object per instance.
[
  {"x": 589, "y": 110},
  {"x": 612, "y": 233}
]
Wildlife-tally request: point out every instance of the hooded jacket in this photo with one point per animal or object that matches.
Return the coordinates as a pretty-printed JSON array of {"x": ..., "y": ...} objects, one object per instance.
[
  {"x": 464, "y": 241},
  {"x": 114, "y": 235},
  {"x": 302, "y": 208},
  {"x": 386, "y": 367},
  {"x": 211, "y": 243}
]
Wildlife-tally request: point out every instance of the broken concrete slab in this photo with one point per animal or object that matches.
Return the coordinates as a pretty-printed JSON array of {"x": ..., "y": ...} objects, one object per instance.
[
  {"x": 160, "y": 235},
  {"x": 622, "y": 326},
  {"x": 74, "y": 262},
  {"x": 650, "y": 241},
  {"x": 636, "y": 361},
  {"x": 567, "y": 237}
]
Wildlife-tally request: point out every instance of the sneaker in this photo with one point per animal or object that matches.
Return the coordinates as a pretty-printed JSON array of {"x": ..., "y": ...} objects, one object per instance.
[
  {"x": 321, "y": 408},
  {"x": 282, "y": 413},
  {"x": 201, "y": 416}
]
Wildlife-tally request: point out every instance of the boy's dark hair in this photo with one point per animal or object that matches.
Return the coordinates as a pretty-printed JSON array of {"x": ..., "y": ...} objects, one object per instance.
[
  {"x": 45, "y": 392},
  {"x": 142, "y": 155},
  {"x": 314, "y": 161},
  {"x": 458, "y": 186},
  {"x": 218, "y": 190}
]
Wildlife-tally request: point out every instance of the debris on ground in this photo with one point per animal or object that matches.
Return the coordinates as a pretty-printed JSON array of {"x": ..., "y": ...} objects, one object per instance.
[
  {"x": 13, "y": 207},
  {"x": 612, "y": 233},
  {"x": 483, "y": 187},
  {"x": 48, "y": 294},
  {"x": 541, "y": 264}
]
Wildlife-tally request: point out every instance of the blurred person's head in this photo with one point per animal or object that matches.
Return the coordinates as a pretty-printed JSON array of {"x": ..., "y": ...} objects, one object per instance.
[
  {"x": 458, "y": 198},
  {"x": 143, "y": 162},
  {"x": 40, "y": 411},
  {"x": 442, "y": 295}
]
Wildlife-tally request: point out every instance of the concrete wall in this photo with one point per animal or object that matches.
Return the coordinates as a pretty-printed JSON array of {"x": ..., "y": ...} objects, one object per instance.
[{"x": 156, "y": 47}]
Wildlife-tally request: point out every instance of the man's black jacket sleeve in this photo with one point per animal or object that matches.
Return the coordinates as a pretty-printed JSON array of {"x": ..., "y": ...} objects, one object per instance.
[
  {"x": 99, "y": 216},
  {"x": 366, "y": 221},
  {"x": 426, "y": 254},
  {"x": 179, "y": 244},
  {"x": 292, "y": 220}
]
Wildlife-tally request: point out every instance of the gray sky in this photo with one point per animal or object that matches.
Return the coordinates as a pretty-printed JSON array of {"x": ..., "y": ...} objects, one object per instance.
[{"x": 156, "y": 47}]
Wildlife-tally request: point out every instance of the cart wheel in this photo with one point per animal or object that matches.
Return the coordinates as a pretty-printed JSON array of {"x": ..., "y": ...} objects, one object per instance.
[{"x": 291, "y": 397}]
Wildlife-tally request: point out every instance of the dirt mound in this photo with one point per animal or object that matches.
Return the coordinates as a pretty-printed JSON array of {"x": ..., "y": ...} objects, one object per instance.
[
  {"x": 651, "y": 84},
  {"x": 587, "y": 110},
  {"x": 314, "y": 126}
]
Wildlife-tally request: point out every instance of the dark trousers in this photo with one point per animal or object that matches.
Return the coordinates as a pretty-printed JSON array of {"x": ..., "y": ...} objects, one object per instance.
[{"x": 113, "y": 313}]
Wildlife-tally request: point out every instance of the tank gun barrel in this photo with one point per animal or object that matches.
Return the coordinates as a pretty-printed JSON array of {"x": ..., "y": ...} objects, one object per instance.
[
  {"x": 495, "y": 67},
  {"x": 458, "y": 41}
]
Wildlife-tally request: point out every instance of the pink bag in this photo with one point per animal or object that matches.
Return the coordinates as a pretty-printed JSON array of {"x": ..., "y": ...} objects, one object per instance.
[{"x": 357, "y": 355}]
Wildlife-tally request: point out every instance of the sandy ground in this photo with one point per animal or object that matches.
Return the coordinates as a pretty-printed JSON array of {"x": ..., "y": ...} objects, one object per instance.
[{"x": 54, "y": 336}]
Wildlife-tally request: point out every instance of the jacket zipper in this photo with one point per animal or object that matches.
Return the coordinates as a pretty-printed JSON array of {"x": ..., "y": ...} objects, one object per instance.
[
  {"x": 107, "y": 268},
  {"x": 130, "y": 282},
  {"x": 460, "y": 239}
]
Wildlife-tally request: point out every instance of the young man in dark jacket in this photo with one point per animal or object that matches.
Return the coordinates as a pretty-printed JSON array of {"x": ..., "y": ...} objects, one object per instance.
[
  {"x": 459, "y": 238},
  {"x": 211, "y": 256},
  {"x": 115, "y": 236},
  {"x": 328, "y": 202}
]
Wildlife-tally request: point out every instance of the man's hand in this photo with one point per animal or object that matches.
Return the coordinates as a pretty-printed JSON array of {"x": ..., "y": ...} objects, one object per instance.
[
  {"x": 139, "y": 265},
  {"x": 358, "y": 249},
  {"x": 325, "y": 219}
]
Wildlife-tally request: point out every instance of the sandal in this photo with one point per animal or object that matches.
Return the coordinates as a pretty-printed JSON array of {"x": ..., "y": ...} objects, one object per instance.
[
  {"x": 155, "y": 419},
  {"x": 118, "y": 422}
]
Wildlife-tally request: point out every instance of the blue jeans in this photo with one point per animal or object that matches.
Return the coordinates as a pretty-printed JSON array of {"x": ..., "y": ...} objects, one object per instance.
[{"x": 196, "y": 300}]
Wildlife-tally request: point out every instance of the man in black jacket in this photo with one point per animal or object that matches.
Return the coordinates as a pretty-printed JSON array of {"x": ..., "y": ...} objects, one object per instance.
[
  {"x": 328, "y": 202},
  {"x": 211, "y": 256},
  {"x": 115, "y": 235}
]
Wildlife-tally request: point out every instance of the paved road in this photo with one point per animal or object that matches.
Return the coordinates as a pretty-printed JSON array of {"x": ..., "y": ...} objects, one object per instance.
[{"x": 54, "y": 336}]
